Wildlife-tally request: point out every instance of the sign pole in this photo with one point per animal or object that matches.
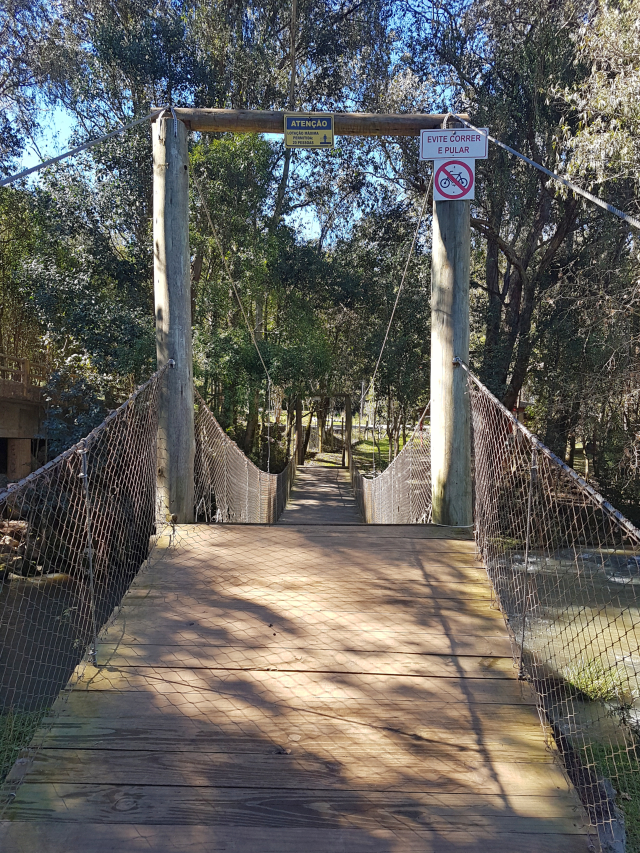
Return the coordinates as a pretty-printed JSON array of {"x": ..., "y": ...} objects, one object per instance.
[
  {"x": 172, "y": 290},
  {"x": 450, "y": 415}
]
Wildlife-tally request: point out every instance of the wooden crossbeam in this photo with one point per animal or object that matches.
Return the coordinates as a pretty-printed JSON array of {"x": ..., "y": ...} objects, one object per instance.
[{"x": 346, "y": 124}]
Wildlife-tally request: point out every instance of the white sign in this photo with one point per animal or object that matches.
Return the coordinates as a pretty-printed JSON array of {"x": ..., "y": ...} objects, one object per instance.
[
  {"x": 454, "y": 180},
  {"x": 457, "y": 142}
]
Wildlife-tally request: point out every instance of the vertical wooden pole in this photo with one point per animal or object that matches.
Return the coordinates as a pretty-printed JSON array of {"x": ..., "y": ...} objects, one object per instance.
[
  {"x": 172, "y": 288},
  {"x": 450, "y": 419},
  {"x": 299, "y": 433},
  {"x": 347, "y": 423}
]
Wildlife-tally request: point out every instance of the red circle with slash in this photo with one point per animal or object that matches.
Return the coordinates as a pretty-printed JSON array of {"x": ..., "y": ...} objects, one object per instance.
[{"x": 444, "y": 176}]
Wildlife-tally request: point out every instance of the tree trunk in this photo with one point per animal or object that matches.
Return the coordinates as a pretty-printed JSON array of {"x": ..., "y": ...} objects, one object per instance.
[
  {"x": 307, "y": 435},
  {"x": 252, "y": 422}
]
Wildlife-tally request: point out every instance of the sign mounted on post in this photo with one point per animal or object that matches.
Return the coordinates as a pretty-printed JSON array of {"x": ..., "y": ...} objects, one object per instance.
[
  {"x": 456, "y": 142},
  {"x": 308, "y": 130},
  {"x": 454, "y": 180}
]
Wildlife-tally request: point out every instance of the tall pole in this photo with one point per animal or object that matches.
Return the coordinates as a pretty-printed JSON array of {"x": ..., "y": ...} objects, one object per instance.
[
  {"x": 172, "y": 290},
  {"x": 299, "y": 433},
  {"x": 348, "y": 423},
  {"x": 450, "y": 417}
]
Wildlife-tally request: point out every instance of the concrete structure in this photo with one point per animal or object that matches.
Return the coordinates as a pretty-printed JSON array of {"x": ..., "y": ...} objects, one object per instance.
[{"x": 21, "y": 412}]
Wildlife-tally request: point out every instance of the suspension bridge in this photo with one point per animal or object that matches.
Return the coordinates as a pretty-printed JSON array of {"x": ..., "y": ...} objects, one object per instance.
[
  {"x": 283, "y": 675},
  {"x": 201, "y": 655}
]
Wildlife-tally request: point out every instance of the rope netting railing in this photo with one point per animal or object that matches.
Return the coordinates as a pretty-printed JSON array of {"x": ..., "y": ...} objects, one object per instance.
[
  {"x": 565, "y": 568},
  {"x": 73, "y": 535},
  {"x": 228, "y": 486},
  {"x": 401, "y": 494}
]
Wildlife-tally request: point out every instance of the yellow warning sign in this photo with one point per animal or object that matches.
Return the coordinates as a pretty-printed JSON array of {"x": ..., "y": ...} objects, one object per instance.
[{"x": 308, "y": 130}]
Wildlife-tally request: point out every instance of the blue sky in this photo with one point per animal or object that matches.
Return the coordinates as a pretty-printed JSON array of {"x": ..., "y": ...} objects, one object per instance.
[{"x": 53, "y": 139}]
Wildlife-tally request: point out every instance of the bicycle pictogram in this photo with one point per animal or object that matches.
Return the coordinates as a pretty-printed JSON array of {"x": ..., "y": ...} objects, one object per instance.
[{"x": 454, "y": 179}]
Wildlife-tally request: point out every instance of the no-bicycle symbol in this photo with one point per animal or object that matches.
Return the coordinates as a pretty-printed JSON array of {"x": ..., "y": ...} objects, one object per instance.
[{"x": 454, "y": 180}]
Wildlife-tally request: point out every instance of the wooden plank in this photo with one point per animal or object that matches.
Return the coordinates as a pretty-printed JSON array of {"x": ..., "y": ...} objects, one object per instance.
[
  {"x": 247, "y": 807},
  {"x": 262, "y": 637},
  {"x": 345, "y": 124},
  {"x": 305, "y": 686},
  {"x": 409, "y": 754},
  {"x": 322, "y": 590},
  {"x": 279, "y": 719},
  {"x": 157, "y": 623},
  {"x": 444, "y": 773},
  {"x": 303, "y": 660},
  {"x": 210, "y": 601},
  {"x": 58, "y": 837},
  {"x": 322, "y": 736}
]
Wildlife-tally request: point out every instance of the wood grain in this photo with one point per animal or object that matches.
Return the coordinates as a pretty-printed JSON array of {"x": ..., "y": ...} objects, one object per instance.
[
  {"x": 52, "y": 837},
  {"x": 288, "y": 689}
]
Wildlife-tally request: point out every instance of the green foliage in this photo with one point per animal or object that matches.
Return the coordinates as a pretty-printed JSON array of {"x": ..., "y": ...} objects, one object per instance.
[
  {"x": 622, "y": 766},
  {"x": 316, "y": 242},
  {"x": 17, "y": 728},
  {"x": 595, "y": 680}
]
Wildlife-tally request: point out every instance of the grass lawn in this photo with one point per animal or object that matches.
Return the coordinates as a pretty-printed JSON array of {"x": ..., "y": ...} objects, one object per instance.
[{"x": 363, "y": 454}]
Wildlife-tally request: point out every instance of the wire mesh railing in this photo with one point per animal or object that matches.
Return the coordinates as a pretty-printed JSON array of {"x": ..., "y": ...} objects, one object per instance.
[
  {"x": 228, "y": 486},
  {"x": 73, "y": 535},
  {"x": 565, "y": 567},
  {"x": 401, "y": 494}
]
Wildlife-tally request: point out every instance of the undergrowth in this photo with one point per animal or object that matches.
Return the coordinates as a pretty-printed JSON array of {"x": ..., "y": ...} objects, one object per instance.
[
  {"x": 17, "y": 728},
  {"x": 623, "y": 769},
  {"x": 595, "y": 681}
]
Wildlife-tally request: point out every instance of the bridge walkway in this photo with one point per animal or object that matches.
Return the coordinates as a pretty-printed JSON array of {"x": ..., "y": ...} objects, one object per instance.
[
  {"x": 300, "y": 688},
  {"x": 321, "y": 494}
]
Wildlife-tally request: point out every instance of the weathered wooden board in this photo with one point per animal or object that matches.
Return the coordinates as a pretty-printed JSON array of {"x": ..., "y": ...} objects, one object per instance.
[
  {"x": 224, "y": 710},
  {"x": 262, "y": 638},
  {"x": 324, "y": 737},
  {"x": 52, "y": 837},
  {"x": 321, "y": 591},
  {"x": 304, "y": 660},
  {"x": 256, "y": 686},
  {"x": 445, "y": 772},
  {"x": 321, "y": 810}
]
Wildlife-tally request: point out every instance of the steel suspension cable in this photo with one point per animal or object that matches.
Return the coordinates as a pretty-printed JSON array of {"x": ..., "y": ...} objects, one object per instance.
[
  {"x": 630, "y": 220},
  {"x": 225, "y": 263},
  {"x": 395, "y": 304},
  {"x": 19, "y": 175}
]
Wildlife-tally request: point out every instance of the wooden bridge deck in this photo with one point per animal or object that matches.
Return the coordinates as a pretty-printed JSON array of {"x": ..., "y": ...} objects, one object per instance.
[
  {"x": 308, "y": 689},
  {"x": 321, "y": 495}
]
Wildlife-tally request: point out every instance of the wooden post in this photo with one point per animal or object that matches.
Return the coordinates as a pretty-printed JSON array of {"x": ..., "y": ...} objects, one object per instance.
[
  {"x": 450, "y": 419},
  {"x": 347, "y": 423},
  {"x": 299, "y": 433},
  {"x": 172, "y": 287}
]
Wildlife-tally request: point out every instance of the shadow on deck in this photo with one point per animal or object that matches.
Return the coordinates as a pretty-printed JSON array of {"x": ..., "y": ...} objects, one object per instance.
[{"x": 307, "y": 687}]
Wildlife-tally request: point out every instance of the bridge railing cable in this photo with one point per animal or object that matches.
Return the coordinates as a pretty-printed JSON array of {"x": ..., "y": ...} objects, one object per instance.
[
  {"x": 565, "y": 568},
  {"x": 228, "y": 486},
  {"x": 73, "y": 535},
  {"x": 401, "y": 494}
]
